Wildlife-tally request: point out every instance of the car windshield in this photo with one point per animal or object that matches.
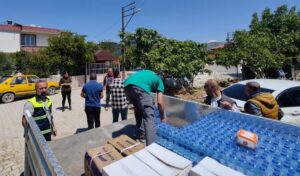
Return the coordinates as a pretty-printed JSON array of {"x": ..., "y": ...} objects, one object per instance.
[
  {"x": 4, "y": 78},
  {"x": 237, "y": 92}
]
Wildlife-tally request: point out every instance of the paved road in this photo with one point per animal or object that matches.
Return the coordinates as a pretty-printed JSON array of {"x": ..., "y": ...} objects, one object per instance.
[{"x": 11, "y": 130}]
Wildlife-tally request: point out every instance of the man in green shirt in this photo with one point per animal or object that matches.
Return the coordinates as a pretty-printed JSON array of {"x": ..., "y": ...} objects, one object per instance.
[{"x": 138, "y": 88}]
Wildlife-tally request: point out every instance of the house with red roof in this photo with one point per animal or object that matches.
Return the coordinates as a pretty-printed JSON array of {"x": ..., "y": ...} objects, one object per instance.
[
  {"x": 17, "y": 37},
  {"x": 103, "y": 56}
]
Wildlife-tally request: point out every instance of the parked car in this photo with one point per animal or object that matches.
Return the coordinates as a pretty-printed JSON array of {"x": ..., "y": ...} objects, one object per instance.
[
  {"x": 175, "y": 83},
  {"x": 15, "y": 86},
  {"x": 286, "y": 92}
]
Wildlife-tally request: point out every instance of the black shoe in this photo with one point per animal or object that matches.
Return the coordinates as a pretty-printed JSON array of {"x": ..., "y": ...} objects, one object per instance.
[
  {"x": 70, "y": 108},
  {"x": 63, "y": 109}
]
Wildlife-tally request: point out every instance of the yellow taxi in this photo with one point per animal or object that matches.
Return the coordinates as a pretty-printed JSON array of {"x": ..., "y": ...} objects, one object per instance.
[{"x": 15, "y": 86}]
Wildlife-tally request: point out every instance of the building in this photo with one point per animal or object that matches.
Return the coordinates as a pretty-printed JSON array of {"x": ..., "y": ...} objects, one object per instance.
[
  {"x": 16, "y": 37},
  {"x": 103, "y": 56}
]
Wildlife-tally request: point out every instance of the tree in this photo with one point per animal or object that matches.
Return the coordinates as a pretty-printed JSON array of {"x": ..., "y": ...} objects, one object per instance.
[
  {"x": 40, "y": 64},
  {"x": 272, "y": 42},
  {"x": 70, "y": 52},
  {"x": 148, "y": 49},
  {"x": 7, "y": 63},
  {"x": 110, "y": 46}
]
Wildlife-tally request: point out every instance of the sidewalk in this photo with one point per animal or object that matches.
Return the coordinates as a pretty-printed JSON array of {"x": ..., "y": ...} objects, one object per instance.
[{"x": 67, "y": 123}]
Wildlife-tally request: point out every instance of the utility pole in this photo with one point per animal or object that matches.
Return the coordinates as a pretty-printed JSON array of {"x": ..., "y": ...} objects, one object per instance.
[{"x": 127, "y": 11}]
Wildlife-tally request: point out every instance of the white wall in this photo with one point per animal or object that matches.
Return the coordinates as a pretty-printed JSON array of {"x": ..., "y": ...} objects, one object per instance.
[
  {"x": 42, "y": 39},
  {"x": 9, "y": 42}
]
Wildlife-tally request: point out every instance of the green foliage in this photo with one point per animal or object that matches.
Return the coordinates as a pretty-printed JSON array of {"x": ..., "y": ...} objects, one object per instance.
[
  {"x": 272, "y": 41},
  {"x": 109, "y": 46},
  {"x": 22, "y": 61},
  {"x": 70, "y": 52},
  {"x": 6, "y": 64},
  {"x": 148, "y": 49},
  {"x": 40, "y": 64}
]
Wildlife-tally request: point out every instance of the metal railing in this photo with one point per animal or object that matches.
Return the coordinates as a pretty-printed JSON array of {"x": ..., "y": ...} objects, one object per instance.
[
  {"x": 39, "y": 158},
  {"x": 100, "y": 68}
]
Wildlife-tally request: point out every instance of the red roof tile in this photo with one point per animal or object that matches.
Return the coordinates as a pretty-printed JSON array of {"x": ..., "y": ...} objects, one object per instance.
[
  {"x": 103, "y": 55},
  {"x": 30, "y": 29}
]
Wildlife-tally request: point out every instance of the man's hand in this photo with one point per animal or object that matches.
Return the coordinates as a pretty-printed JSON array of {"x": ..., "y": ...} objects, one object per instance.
[
  {"x": 24, "y": 122},
  {"x": 54, "y": 131},
  {"x": 226, "y": 105},
  {"x": 164, "y": 119}
]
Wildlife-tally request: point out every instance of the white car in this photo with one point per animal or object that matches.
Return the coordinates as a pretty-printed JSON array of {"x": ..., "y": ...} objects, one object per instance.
[{"x": 286, "y": 92}]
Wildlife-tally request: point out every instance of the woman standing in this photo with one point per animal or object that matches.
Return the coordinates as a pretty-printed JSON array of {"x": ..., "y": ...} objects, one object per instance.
[{"x": 65, "y": 83}]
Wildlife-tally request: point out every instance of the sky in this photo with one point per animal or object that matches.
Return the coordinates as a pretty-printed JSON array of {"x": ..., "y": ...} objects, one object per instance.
[{"x": 100, "y": 20}]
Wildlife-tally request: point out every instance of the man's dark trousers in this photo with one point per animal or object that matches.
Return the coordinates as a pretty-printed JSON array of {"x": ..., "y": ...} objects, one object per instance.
[
  {"x": 116, "y": 113},
  {"x": 93, "y": 115}
]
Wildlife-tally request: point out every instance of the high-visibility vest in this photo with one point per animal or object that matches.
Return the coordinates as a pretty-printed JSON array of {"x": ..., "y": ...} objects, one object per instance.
[{"x": 40, "y": 114}]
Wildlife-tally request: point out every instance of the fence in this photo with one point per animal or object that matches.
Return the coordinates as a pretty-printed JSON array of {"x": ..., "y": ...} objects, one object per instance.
[
  {"x": 39, "y": 158},
  {"x": 100, "y": 68}
]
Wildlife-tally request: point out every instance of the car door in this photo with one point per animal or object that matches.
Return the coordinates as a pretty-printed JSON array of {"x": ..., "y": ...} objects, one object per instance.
[
  {"x": 289, "y": 101},
  {"x": 19, "y": 85},
  {"x": 32, "y": 79}
]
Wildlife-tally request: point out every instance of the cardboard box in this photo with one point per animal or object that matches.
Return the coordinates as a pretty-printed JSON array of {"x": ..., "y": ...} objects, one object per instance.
[
  {"x": 125, "y": 145},
  {"x": 128, "y": 166},
  {"x": 97, "y": 158},
  {"x": 213, "y": 167},
  {"x": 199, "y": 170},
  {"x": 153, "y": 160},
  {"x": 163, "y": 161}
]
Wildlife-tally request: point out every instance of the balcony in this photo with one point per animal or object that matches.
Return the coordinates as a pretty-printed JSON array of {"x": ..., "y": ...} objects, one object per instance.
[{"x": 31, "y": 49}]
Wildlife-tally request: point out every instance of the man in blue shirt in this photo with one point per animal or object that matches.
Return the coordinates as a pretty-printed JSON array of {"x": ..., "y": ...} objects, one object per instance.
[{"x": 92, "y": 92}]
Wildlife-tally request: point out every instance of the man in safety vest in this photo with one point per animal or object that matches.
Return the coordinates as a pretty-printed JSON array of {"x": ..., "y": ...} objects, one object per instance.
[{"x": 40, "y": 108}]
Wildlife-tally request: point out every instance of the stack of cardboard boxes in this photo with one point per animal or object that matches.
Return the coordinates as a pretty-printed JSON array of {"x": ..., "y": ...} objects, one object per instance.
[
  {"x": 97, "y": 158},
  {"x": 126, "y": 157}
]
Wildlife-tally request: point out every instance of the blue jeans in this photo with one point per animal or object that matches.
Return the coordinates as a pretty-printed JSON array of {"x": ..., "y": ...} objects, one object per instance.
[{"x": 116, "y": 113}]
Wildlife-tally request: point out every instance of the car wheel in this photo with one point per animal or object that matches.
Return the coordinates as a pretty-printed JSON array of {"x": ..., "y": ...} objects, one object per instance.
[
  {"x": 51, "y": 90},
  {"x": 8, "y": 97}
]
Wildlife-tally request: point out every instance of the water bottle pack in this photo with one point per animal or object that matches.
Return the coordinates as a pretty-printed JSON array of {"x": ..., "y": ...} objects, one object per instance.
[{"x": 277, "y": 152}]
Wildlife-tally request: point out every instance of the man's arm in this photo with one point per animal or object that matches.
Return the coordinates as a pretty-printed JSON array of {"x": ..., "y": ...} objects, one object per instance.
[
  {"x": 27, "y": 106},
  {"x": 104, "y": 82},
  {"x": 160, "y": 105},
  {"x": 253, "y": 109},
  {"x": 82, "y": 94},
  {"x": 280, "y": 114},
  {"x": 54, "y": 130},
  {"x": 101, "y": 94}
]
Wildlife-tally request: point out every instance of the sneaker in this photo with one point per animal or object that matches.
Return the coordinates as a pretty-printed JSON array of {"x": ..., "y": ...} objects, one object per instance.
[
  {"x": 142, "y": 137},
  {"x": 63, "y": 109}
]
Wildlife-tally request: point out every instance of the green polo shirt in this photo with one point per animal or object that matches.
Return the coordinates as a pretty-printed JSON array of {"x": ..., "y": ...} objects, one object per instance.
[{"x": 146, "y": 80}]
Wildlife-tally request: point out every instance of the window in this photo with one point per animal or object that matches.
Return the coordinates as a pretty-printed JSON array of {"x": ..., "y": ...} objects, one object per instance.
[
  {"x": 28, "y": 40},
  {"x": 19, "y": 80},
  {"x": 32, "y": 79},
  {"x": 290, "y": 97},
  {"x": 4, "y": 78},
  {"x": 237, "y": 91}
]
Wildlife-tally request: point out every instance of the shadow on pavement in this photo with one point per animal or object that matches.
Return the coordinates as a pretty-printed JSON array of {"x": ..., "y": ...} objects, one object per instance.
[
  {"x": 80, "y": 130},
  {"x": 129, "y": 130}
]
